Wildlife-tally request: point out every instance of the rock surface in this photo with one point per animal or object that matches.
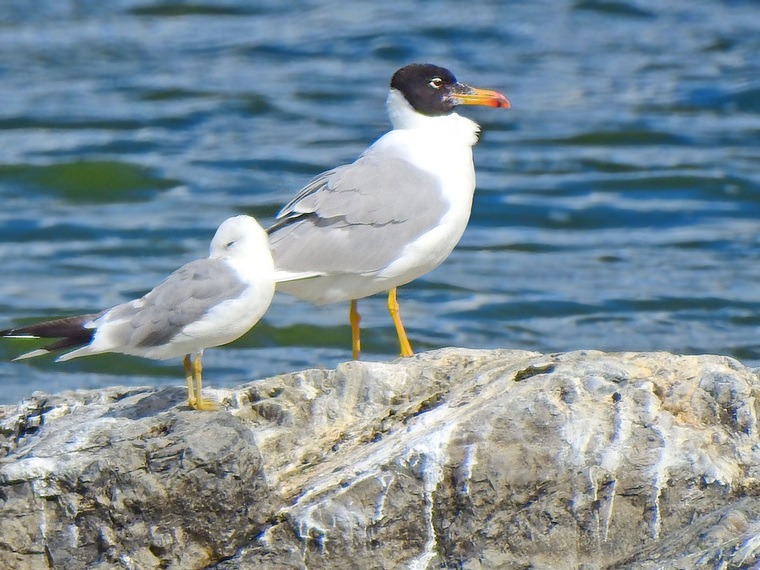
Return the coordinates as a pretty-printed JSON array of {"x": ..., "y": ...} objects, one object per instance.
[{"x": 454, "y": 458}]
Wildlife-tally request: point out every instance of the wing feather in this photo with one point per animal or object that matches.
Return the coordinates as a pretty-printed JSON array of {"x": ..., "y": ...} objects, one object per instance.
[
  {"x": 181, "y": 299},
  {"x": 356, "y": 218}
]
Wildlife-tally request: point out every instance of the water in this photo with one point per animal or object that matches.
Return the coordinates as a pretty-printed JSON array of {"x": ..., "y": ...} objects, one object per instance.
[{"x": 617, "y": 204}]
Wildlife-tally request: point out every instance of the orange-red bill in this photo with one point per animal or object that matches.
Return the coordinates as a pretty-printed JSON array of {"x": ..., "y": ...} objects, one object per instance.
[{"x": 474, "y": 96}]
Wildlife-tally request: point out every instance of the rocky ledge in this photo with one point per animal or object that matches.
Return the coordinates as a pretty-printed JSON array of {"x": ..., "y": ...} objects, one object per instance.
[{"x": 453, "y": 458}]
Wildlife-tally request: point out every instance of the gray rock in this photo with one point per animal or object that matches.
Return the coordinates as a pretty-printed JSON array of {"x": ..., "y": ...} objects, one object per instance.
[{"x": 453, "y": 458}]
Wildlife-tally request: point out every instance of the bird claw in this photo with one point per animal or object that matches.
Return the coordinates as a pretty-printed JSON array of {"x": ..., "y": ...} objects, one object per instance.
[{"x": 204, "y": 405}]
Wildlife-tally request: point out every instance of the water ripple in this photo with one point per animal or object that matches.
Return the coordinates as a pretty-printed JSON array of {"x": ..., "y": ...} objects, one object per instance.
[{"x": 617, "y": 200}]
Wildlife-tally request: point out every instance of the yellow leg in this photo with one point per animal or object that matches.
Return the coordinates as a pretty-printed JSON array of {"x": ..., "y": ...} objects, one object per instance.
[
  {"x": 200, "y": 403},
  {"x": 406, "y": 348},
  {"x": 356, "y": 342},
  {"x": 191, "y": 398}
]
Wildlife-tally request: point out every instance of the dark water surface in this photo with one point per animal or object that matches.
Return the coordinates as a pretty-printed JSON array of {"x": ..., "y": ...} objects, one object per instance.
[{"x": 618, "y": 201}]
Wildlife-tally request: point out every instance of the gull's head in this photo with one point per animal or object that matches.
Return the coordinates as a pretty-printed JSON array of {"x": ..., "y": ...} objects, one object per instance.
[
  {"x": 240, "y": 237},
  {"x": 433, "y": 91}
]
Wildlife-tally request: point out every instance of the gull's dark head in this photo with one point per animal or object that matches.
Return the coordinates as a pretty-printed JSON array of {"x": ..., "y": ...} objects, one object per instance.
[{"x": 434, "y": 91}]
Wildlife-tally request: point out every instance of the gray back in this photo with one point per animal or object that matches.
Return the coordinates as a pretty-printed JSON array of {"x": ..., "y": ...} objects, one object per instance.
[
  {"x": 182, "y": 298},
  {"x": 356, "y": 218}
]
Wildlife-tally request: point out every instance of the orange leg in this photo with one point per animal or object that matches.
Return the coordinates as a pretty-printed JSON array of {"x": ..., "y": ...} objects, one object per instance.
[
  {"x": 194, "y": 371},
  {"x": 198, "y": 375},
  {"x": 202, "y": 404},
  {"x": 406, "y": 348},
  {"x": 191, "y": 397},
  {"x": 355, "y": 318}
]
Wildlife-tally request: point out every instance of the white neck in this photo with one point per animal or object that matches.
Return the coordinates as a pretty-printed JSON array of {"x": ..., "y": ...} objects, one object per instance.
[
  {"x": 256, "y": 266},
  {"x": 404, "y": 116}
]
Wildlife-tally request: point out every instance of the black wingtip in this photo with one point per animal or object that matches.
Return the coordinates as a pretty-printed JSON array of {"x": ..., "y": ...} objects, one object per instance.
[
  {"x": 57, "y": 328},
  {"x": 70, "y": 332}
]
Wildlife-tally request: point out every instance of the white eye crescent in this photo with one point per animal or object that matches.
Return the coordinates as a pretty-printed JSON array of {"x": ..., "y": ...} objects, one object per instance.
[{"x": 436, "y": 83}]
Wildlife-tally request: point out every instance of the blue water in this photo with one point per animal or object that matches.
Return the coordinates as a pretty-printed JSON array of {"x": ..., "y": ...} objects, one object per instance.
[{"x": 618, "y": 201}]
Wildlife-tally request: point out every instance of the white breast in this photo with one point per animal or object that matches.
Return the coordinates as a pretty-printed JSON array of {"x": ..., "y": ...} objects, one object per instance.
[{"x": 443, "y": 147}]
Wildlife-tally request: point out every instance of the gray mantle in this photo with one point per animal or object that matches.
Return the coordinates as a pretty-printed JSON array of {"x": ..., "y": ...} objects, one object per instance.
[{"x": 453, "y": 458}]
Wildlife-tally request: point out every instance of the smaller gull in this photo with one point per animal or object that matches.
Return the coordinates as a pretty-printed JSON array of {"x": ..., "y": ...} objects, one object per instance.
[{"x": 208, "y": 302}]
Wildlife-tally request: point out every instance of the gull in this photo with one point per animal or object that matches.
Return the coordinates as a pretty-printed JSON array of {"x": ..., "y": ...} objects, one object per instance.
[
  {"x": 394, "y": 214},
  {"x": 205, "y": 303}
]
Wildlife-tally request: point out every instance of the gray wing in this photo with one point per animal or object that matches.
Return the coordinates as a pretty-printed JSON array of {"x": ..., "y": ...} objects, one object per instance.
[
  {"x": 356, "y": 218},
  {"x": 180, "y": 299}
]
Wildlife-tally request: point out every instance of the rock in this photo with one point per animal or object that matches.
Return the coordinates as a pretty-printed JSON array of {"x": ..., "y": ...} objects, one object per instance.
[{"x": 453, "y": 458}]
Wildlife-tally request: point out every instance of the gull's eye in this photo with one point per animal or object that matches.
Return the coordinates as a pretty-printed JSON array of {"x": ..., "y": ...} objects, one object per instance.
[
  {"x": 436, "y": 83},
  {"x": 229, "y": 244}
]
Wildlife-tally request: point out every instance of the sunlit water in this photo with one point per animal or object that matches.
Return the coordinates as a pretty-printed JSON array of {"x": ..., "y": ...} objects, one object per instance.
[{"x": 618, "y": 201}]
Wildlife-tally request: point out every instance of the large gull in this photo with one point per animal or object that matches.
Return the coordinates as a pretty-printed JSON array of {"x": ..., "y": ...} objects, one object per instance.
[{"x": 395, "y": 213}]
